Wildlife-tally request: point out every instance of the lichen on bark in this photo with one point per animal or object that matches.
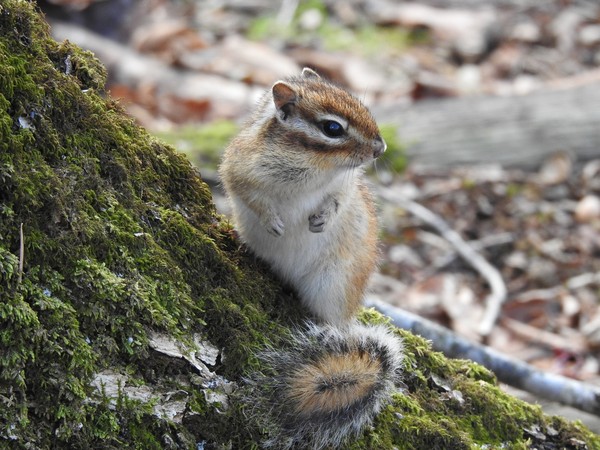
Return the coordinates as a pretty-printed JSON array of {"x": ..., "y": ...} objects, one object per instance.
[{"x": 122, "y": 244}]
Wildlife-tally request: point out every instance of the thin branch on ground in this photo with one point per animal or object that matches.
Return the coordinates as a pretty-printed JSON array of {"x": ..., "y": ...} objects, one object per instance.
[
  {"x": 478, "y": 245},
  {"x": 497, "y": 286},
  {"x": 508, "y": 370},
  {"x": 575, "y": 344},
  {"x": 554, "y": 292},
  {"x": 583, "y": 280}
]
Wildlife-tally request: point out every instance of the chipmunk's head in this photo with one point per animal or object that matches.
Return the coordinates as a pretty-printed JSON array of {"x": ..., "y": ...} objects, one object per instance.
[{"x": 325, "y": 120}]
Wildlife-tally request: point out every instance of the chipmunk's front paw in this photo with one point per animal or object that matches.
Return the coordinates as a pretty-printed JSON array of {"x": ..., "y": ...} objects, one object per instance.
[
  {"x": 316, "y": 222},
  {"x": 275, "y": 226}
]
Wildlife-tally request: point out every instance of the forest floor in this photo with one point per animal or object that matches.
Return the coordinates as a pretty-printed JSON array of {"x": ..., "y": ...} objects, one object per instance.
[{"x": 189, "y": 71}]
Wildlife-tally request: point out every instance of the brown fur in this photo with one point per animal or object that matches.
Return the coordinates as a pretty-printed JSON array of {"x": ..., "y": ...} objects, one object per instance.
[{"x": 333, "y": 383}]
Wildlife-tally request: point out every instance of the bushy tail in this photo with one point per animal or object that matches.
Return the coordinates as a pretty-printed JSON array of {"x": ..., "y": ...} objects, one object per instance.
[{"x": 325, "y": 386}]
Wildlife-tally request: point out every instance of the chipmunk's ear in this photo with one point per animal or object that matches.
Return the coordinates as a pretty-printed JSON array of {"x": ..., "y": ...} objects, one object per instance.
[
  {"x": 309, "y": 73},
  {"x": 284, "y": 97}
]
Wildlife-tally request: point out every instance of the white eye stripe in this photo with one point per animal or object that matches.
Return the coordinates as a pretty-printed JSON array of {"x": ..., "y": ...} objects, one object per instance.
[{"x": 343, "y": 122}]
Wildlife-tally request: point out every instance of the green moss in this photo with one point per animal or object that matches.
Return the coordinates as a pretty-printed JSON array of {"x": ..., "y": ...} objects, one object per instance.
[{"x": 121, "y": 241}]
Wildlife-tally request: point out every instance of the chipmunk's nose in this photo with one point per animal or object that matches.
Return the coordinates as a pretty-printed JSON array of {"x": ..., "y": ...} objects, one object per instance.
[{"x": 379, "y": 147}]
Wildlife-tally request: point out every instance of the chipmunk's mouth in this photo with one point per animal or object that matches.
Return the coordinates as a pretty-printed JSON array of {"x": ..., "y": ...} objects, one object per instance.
[
  {"x": 379, "y": 146},
  {"x": 375, "y": 149}
]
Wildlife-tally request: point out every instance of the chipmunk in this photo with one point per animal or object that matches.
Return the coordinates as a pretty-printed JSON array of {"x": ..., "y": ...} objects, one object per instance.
[{"x": 293, "y": 176}]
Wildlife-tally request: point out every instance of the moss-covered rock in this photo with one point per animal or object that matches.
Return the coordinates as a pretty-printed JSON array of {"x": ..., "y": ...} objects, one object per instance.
[{"x": 128, "y": 311}]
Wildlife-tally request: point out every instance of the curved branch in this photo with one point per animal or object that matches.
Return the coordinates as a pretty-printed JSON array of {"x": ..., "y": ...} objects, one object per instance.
[
  {"x": 508, "y": 370},
  {"x": 497, "y": 286}
]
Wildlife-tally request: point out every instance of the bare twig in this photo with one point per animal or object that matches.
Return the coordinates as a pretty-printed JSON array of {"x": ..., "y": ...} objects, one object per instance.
[
  {"x": 21, "y": 253},
  {"x": 451, "y": 255},
  {"x": 552, "y": 293},
  {"x": 508, "y": 370},
  {"x": 577, "y": 344},
  {"x": 546, "y": 294},
  {"x": 497, "y": 286},
  {"x": 583, "y": 280}
]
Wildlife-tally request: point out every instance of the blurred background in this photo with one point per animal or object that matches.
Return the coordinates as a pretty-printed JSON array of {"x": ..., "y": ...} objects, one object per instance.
[{"x": 491, "y": 111}]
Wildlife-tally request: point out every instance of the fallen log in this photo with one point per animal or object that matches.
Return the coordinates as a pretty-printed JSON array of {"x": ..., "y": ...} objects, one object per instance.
[{"x": 514, "y": 131}]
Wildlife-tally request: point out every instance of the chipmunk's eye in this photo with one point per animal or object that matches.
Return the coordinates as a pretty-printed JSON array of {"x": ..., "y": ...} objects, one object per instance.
[{"x": 332, "y": 128}]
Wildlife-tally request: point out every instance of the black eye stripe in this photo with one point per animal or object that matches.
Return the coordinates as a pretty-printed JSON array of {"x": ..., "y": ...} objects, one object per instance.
[{"x": 332, "y": 128}]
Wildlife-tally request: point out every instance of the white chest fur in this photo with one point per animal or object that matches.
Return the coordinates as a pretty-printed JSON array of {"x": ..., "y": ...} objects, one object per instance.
[{"x": 298, "y": 251}]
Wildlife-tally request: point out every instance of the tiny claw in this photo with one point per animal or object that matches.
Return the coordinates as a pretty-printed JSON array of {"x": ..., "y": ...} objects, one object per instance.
[
  {"x": 276, "y": 227},
  {"x": 316, "y": 223}
]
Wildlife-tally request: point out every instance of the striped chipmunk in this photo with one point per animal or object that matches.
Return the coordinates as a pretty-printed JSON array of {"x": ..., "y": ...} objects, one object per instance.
[{"x": 293, "y": 176}]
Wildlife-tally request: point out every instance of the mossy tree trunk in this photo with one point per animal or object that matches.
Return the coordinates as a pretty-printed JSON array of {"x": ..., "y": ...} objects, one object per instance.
[{"x": 136, "y": 314}]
